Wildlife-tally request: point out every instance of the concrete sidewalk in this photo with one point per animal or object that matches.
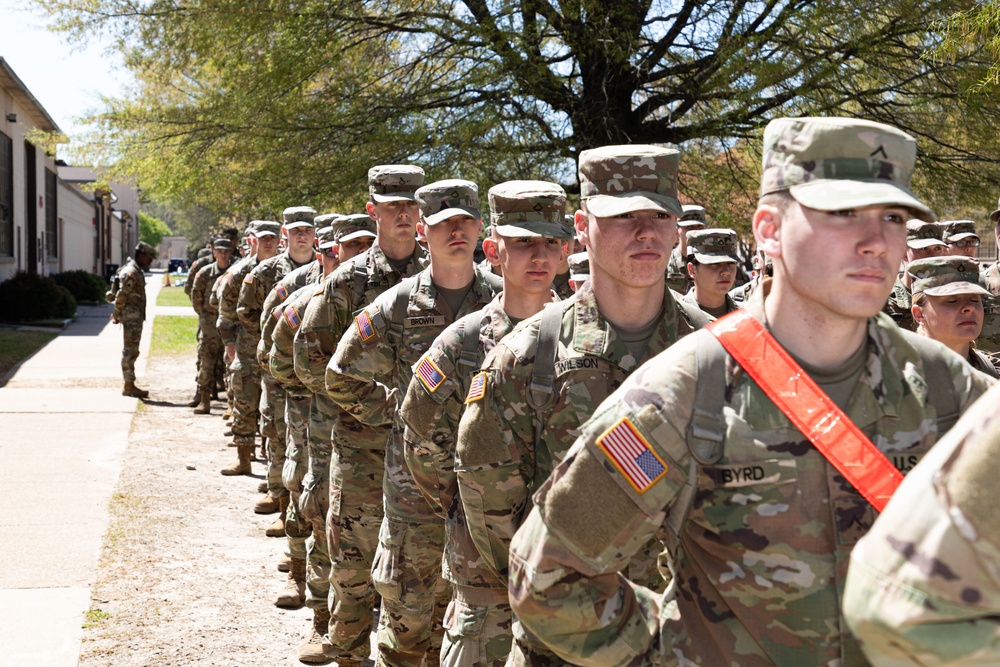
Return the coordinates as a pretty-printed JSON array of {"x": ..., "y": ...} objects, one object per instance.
[{"x": 64, "y": 426}]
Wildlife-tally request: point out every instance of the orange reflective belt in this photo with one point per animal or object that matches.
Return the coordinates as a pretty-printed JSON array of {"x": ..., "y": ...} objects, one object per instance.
[{"x": 808, "y": 407}]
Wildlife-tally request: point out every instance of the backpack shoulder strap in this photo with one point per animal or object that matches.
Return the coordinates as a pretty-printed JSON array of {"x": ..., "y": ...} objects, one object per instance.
[
  {"x": 705, "y": 434},
  {"x": 540, "y": 390},
  {"x": 360, "y": 282},
  {"x": 403, "y": 290},
  {"x": 940, "y": 383},
  {"x": 471, "y": 327},
  {"x": 696, "y": 316}
]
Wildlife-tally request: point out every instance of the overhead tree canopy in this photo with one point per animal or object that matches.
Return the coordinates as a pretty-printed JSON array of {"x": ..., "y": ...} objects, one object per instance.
[{"x": 248, "y": 107}]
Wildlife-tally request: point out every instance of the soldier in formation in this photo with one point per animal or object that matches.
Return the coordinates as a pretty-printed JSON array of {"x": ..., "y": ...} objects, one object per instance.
[
  {"x": 711, "y": 264},
  {"x": 210, "y": 346}
]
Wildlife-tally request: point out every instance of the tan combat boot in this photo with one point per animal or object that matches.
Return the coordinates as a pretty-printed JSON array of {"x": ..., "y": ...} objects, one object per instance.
[
  {"x": 193, "y": 403},
  {"x": 269, "y": 504},
  {"x": 277, "y": 527},
  {"x": 243, "y": 466},
  {"x": 131, "y": 390},
  {"x": 294, "y": 593},
  {"x": 206, "y": 404},
  {"x": 313, "y": 649},
  {"x": 228, "y": 414},
  {"x": 284, "y": 563},
  {"x": 262, "y": 488}
]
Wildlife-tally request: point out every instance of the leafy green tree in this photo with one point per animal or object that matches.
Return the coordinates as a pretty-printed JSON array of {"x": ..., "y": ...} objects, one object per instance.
[
  {"x": 152, "y": 230},
  {"x": 245, "y": 108}
]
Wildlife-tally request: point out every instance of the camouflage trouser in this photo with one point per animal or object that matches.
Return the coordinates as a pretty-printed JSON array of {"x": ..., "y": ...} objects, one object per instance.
[
  {"x": 407, "y": 573},
  {"x": 210, "y": 351},
  {"x": 246, "y": 396},
  {"x": 477, "y": 628},
  {"x": 294, "y": 469},
  {"x": 273, "y": 427},
  {"x": 131, "y": 335},
  {"x": 352, "y": 533},
  {"x": 315, "y": 501},
  {"x": 989, "y": 337}
]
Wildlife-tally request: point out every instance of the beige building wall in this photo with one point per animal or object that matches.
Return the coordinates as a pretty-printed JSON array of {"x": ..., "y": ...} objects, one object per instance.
[{"x": 78, "y": 233}]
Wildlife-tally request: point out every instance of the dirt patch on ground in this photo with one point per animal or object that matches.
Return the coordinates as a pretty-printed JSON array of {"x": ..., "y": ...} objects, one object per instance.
[{"x": 187, "y": 576}]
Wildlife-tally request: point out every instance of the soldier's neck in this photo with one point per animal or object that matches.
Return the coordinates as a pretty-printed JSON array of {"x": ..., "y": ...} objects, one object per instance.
[{"x": 625, "y": 306}]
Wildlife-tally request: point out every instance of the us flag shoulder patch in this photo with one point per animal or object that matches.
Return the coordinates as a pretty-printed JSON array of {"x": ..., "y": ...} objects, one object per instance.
[
  {"x": 364, "y": 325},
  {"x": 282, "y": 292},
  {"x": 276, "y": 313},
  {"x": 230, "y": 278},
  {"x": 429, "y": 374},
  {"x": 292, "y": 316},
  {"x": 632, "y": 455},
  {"x": 477, "y": 388},
  {"x": 249, "y": 279}
]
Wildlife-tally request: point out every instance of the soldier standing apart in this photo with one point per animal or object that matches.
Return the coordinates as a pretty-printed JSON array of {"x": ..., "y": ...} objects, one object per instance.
[
  {"x": 210, "y": 346},
  {"x": 922, "y": 589},
  {"x": 357, "y": 465},
  {"x": 528, "y": 238},
  {"x": 691, "y": 448},
  {"x": 241, "y": 348},
  {"x": 692, "y": 219},
  {"x": 369, "y": 372},
  {"x": 257, "y": 285},
  {"x": 923, "y": 239},
  {"x": 130, "y": 312},
  {"x": 544, "y": 379},
  {"x": 711, "y": 264}
]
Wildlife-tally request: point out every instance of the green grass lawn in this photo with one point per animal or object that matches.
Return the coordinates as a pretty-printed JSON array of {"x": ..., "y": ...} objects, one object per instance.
[
  {"x": 173, "y": 334},
  {"x": 172, "y": 296},
  {"x": 16, "y": 346}
]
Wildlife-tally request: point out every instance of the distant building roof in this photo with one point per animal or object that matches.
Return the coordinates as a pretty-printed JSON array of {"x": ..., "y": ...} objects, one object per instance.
[{"x": 20, "y": 92}]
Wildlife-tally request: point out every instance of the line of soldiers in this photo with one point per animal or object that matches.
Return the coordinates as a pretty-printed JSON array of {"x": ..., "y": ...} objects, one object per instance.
[{"x": 538, "y": 469}]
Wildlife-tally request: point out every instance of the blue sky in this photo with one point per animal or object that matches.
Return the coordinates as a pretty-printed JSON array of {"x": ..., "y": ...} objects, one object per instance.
[{"x": 67, "y": 80}]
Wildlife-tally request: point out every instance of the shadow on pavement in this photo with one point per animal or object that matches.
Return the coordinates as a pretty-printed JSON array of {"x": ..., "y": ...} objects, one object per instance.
[{"x": 90, "y": 320}]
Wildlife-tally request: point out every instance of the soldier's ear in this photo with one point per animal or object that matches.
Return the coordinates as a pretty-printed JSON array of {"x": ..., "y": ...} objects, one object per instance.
[
  {"x": 580, "y": 222},
  {"x": 767, "y": 229},
  {"x": 491, "y": 248}
]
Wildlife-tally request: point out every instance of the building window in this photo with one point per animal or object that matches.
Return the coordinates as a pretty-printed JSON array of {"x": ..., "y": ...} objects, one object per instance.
[
  {"x": 6, "y": 196},
  {"x": 51, "y": 221}
]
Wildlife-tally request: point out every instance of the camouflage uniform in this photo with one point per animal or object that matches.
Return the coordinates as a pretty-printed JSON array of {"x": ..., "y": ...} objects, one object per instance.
[
  {"x": 590, "y": 363},
  {"x": 677, "y": 273},
  {"x": 898, "y": 306},
  {"x": 761, "y": 523},
  {"x": 204, "y": 259},
  {"x": 366, "y": 375},
  {"x": 358, "y": 451},
  {"x": 253, "y": 293},
  {"x": 210, "y": 347},
  {"x": 922, "y": 588},
  {"x": 712, "y": 246},
  {"x": 130, "y": 312}
]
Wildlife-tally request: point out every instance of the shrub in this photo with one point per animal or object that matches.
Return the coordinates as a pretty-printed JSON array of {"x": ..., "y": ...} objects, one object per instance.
[
  {"x": 85, "y": 286},
  {"x": 28, "y": 297}
]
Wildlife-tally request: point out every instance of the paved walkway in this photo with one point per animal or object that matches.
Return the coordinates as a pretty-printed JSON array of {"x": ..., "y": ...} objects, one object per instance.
[{"x": 64, "y": 426}]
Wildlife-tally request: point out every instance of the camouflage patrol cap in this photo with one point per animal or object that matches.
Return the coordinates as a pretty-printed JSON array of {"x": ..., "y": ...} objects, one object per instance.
[
  {"x": 266, "y": 228},
  {"x": 441, "y": 200},
  {"x": 956, "y": 230},
  {"x": 354, "y": 226},
  {"x": 394, "y": 182},
  {"x": 143, "y": 248},
  {"x": 920, "y": 234},
  {"x": 622, "y": 179},
  {"x": 324, "y": 235},
  {"x": 325, "y": 220},
  {"x": 713, "y": 246},
  {"x": 693, "y": 216},
  {"x": 831, "y": 164},
  {"x": 529, "y": 208},
  {"x": 204, "y": 252},
  {"x": 251, "y": 228},
  {"x": 298, "y": 216},
  {"x": 995, "y": 215},
  {"x": 579, "y": 266},
  {"x": 222, "y": 243},
  {"x": 944, "y": 276}
]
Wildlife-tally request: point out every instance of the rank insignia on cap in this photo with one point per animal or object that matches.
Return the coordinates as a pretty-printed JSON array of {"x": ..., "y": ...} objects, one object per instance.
[
  {"x": 282, "y": 292},
  {"x": 477, "y": 389},
  {"x": 249, "y": 279},
  {"x": 364, "y": 324},
  {"x": 429, "y": 374},
  {"x": 292, "y": 316},
  {"x": 632, "y": 455}
]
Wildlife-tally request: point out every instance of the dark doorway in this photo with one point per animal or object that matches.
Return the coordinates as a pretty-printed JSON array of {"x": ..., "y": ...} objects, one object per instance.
[{"x": 31, "y": 206}]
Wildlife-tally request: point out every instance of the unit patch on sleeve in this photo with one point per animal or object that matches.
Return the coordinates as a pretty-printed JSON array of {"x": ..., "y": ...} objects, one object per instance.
[
  {"x": 429, "y": 374},
  {"x": 292, "y": 316},
  {"x": 477, "y": 388},
  {"x": 364, "y": 324},
  {"x": 632, "y": 455}
]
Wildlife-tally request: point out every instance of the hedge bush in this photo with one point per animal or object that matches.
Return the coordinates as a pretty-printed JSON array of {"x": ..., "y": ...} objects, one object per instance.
[
  {"x": 27, "y": 297},
  {"x": 85, "y": 286}
]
